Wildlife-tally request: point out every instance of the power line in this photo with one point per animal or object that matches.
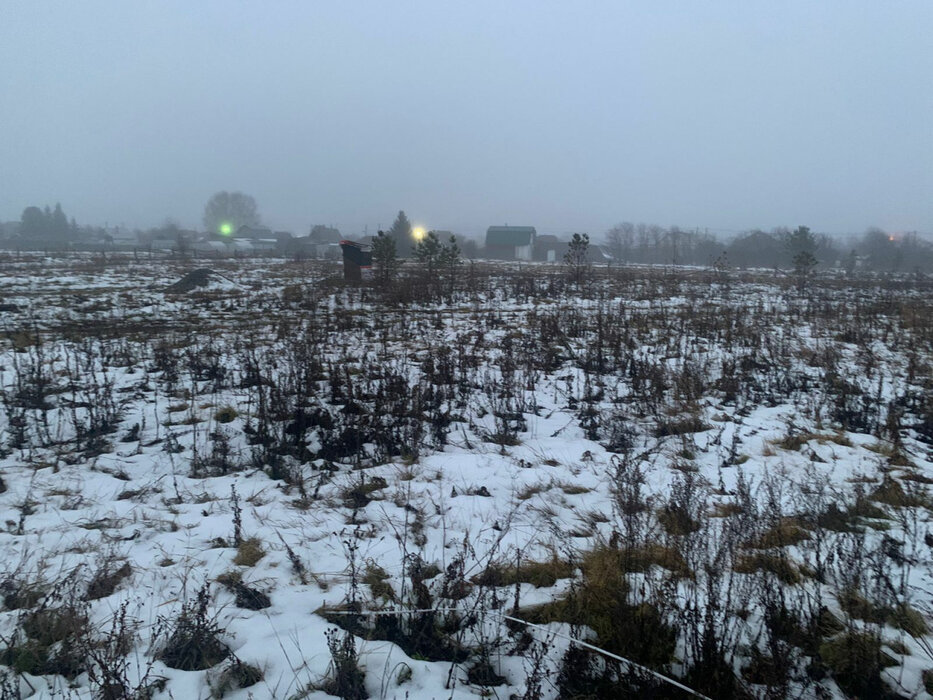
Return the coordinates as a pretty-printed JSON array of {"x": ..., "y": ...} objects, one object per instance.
[{"x": 510, "y": 618}]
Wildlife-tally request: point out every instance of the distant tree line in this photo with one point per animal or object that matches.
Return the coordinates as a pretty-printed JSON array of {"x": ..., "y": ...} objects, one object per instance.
[
  {"x": 47, "y": 224},
  {"x": 628, "y": 243},
  {"x": 49, "y": 227},
  {"x": 779, "y": 248}
]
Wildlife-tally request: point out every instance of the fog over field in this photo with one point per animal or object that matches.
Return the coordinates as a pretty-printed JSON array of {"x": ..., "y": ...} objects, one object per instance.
[{"x": 566, "y": 116}]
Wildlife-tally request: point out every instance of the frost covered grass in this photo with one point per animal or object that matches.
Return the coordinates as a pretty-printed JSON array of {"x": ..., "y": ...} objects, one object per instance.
[{"x": 287, "y": 487}]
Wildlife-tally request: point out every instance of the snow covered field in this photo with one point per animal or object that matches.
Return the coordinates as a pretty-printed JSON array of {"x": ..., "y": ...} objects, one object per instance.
[{"x": 278, "y": 486}]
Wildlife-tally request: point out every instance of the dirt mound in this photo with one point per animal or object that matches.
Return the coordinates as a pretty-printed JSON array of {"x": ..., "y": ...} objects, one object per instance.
[{"x": 203, "y": 277}]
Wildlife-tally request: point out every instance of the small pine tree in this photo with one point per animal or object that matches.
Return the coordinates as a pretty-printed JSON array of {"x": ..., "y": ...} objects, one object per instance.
[
  {"x": 428, "y": 252},
  {"x": 450, "y": 254},
  {"x": 801, "y": 244},
  {"x": 576, "y": 257},
  {"x": 449, "y": 260},
  {"x": 384, "y": 258},
  {"x": 440, "y": 260}
]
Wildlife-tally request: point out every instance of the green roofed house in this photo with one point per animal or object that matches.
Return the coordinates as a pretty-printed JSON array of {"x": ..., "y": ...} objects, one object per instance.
[{"x": 510, "y": 242}]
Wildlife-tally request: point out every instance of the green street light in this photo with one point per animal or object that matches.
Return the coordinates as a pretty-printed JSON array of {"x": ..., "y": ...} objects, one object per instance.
[{"x": 226, "y": 228}]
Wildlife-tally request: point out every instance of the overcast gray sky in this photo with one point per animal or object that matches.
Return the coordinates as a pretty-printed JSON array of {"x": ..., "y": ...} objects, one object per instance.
[{"x": 569, "y": 116}]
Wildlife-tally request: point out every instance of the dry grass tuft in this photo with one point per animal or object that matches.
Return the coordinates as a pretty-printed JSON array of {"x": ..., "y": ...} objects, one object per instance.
[
  {"x": 787, "y": 532},
  {"x": 106, "y": 579},
  {"x": 539, "y": 574},
  {"x": 601, "y": 602},
  {"x": 892, "y": 493},
  {"x": 249, "y": 552},
  {"x": 362, "y": 493},
  {"x": 378, "y": 581},
  {"x": 532, "y": 490},
  {"x": 902, "y": 616},
  {"x": 726, "y": 510},
  {"x": 234, "y": 676},
  {"x": 573, "y": 489},
  {"x": 856, "y": 660},
  {"x": 226, "y": 414},
  {"x": 782, "y": 567},
  {"x": 631, "y": 560}
]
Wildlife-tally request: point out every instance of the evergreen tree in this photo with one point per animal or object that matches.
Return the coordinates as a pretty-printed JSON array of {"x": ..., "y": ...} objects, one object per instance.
[
  {"x": 449, "y": 256},
  {"x": 439, "y": 259},
  {"x": 879, "y": 248},
  {"x": 45, "y": 224},
  {"x": 32, "y": 223},
  {"x": 428, "y": 252},
  {"x": 59, "y": 223},
  {"x": 449, "y": 260},
  {"x": 384, "y": 258},
  {"x": 401, "y": 233},
  {"x": 801, "y": 245},
  {"x": 576, "y": 257}
]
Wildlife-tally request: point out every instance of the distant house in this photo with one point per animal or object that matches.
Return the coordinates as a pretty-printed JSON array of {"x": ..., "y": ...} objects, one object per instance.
[
  {"x": 510, "y": 242},
  {"x": 550, "y": 248},
  {"x": 307, "y": 248},
  {"x": 599, "y": 254},
  {"x": 264, "y": 240},
  {"x": 301, "y": 248},
  {"x": 212, "y": 248},
  {"x": 553, "y": 249},
  {"x": 325, "y": 234},
  {"x": 265, "y": 246},
  {"x": 251, "y": 232},
  {"x": 242, "y": 246},
  {"x": 125, "y": 238},
  {"x": 327, "y": 251}
]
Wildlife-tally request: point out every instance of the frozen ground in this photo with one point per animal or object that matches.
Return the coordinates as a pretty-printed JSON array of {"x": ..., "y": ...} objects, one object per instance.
[{"x": 736, "y": 448}]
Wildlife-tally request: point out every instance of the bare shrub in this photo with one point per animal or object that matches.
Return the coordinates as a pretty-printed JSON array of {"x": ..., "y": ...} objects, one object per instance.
[{"x": 193, "y": 643}]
